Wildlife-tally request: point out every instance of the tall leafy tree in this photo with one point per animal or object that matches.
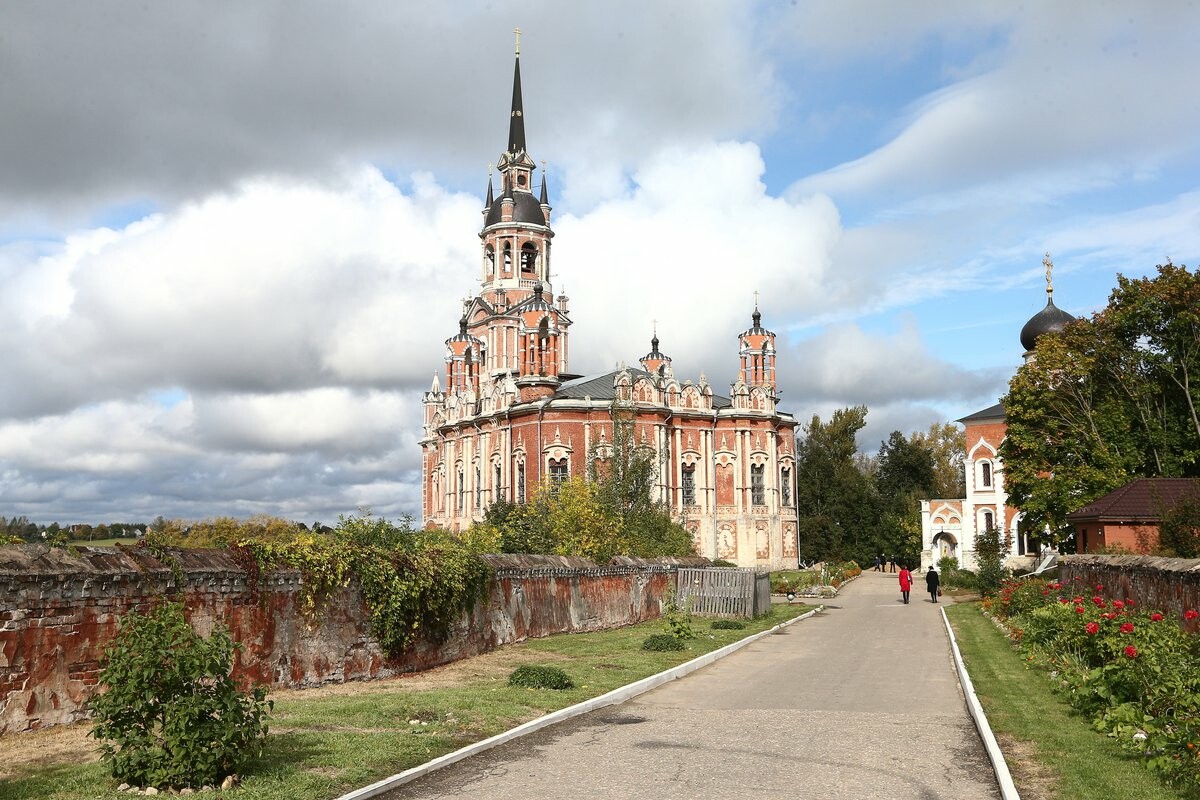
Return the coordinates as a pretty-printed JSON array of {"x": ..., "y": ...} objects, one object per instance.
[
  {"x": 1108, "y": 399},
  {"x": 904, "y": 477},
  {"x": 835, "y": 501},
  {"x": 945, "y": 441}
]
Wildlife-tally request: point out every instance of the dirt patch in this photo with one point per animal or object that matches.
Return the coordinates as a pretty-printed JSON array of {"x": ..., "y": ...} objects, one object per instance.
[
  {"x": 57, "y": 745},
  {"x": 1033, "y": 779},
  {"x": 71, "y": 743}
]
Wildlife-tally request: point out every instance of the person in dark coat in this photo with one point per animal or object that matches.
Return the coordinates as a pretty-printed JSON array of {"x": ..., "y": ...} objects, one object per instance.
[
  {"x": 932, "y": 583},
  {"x": 905, "y": 582}
]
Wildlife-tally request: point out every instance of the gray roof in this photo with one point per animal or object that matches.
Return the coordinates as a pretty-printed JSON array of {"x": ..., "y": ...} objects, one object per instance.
[
  {"x": 600, "y": 387},
  {"x": 991, "y": 412}
]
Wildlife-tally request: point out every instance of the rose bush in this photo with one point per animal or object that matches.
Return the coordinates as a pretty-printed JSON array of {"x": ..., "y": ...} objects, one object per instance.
[{"x": 1135, "y": 672}]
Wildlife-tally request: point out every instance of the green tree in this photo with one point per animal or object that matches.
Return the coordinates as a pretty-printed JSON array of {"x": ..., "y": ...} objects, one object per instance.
[
  {"x": 946, "y": 442},
  {"x": 1108, "y": 399},
  {"x": 905, "y": 476},
  {"x": 835, "y": 501},
  {"x": 989, "y": 555}
]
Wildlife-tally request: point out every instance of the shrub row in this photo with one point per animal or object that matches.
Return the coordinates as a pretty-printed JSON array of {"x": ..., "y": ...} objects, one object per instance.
[{"x": 1135, "y": 672}]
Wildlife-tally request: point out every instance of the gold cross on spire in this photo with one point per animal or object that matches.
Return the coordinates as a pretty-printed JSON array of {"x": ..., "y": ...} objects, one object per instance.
[
  {"x": 517, "y": 31},
  {"x": 756, "y": 298},
  {"x": 1049, "y": 277},
  {"x": 654, "y": 325}
]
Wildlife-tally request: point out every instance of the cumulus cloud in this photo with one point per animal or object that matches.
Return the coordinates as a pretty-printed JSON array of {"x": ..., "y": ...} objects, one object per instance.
[
  {"x": 1055, "y": 114},
  {"x": 847, "y": 365},
  {"x": 157, "y": 102}
]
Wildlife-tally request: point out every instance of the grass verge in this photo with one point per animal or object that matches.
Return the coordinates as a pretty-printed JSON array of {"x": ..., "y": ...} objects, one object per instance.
[
  {"x": 1052, "y": 751},
  {"x": 323, "y": 745}
]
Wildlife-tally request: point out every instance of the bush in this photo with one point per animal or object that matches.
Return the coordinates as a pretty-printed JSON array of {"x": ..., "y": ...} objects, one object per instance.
[
  {"x": 171, "y": 715},
  {"x": 534, "y": 676},
  {"x": 661, "y": 642},
  {"x": 727, "y": 625},
  {"x": 677, "y": 617},
  {"x": 720, "y": 562}
]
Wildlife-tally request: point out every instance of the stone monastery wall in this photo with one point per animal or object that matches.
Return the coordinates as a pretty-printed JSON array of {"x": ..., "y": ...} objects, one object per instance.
[
  {"x": 59, "y": 610},
  {"x": 1170, "y": 585}
]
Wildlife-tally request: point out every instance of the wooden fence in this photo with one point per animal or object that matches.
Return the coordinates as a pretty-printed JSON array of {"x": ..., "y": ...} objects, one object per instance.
[{"x": 724, "y": 592}]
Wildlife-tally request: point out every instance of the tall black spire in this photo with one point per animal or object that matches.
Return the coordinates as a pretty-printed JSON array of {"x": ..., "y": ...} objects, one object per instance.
[
  {"x": 516, "y": 123},
  {"x": 545, "y": 199}
]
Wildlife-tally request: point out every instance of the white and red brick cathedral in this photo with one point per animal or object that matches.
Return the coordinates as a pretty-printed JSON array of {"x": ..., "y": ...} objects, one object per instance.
[{"x": 511, "y": 415}]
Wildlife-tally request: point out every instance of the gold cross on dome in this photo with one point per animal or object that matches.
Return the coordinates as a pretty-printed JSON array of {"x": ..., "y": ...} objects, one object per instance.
[
  {"x": 1049, "y": 265},
  {"x": 756, "y": 298},
  {"x": 517, "y": 31}
]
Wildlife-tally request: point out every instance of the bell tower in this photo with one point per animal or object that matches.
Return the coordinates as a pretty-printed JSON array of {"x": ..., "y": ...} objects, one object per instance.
[{"x": 520, "y": 325}]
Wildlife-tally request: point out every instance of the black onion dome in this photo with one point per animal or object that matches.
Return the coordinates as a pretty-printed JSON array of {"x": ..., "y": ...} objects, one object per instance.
[
  {"x": 654, "y": 354},
  {"x": 526, "y": 208},
  {"x": 1050, "y": 319}
]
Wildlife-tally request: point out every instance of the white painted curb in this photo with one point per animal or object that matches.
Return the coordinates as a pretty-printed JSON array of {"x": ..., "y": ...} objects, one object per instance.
[
  {"x": 1008, "y": 789},
  {"x": 615, "y": 697}
]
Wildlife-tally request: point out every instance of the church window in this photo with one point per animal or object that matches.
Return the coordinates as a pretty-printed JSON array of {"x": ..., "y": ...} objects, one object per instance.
[
  {"x": 689, "y": 485},
  {"x": 496, "y": 484},
  {"x": 528, "y": 257},
  {"x": 478, "y": 488},
  {"x": 507, "y": 258},
  {"x": 987, "y": 474},
  {"x": 558, "y": 470},
  {"x": 785, "y": 486},
  {"x": 988, "y": 521},
  {"x": 758, "y": 490},
  {"x": 461, "y": 489},
  {"x": 521, "y": 482},
  {"x": 489, "y": 255}
]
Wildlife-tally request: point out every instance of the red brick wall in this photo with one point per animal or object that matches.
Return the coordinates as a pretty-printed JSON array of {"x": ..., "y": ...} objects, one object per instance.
[
  {"x": 1170, "y": 585},
  {"x": 59, "y": 611}
]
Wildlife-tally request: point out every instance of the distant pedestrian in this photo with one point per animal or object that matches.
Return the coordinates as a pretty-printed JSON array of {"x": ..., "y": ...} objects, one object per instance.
[
  {"x": 892, "y": 564},
  {"x": 879, "y": 563},
  {"x": 905, "y": 583},
  {"x": 933, "y": 583}
]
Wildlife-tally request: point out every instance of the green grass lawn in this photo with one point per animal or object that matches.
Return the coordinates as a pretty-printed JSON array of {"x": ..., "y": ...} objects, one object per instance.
[
  {"x": 324, "y": 746},
  {"x": 1052, "y": 751}
]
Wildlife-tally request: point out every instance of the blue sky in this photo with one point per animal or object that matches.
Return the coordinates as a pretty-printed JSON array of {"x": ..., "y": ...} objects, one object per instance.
[{"x": 234, "y": 238}]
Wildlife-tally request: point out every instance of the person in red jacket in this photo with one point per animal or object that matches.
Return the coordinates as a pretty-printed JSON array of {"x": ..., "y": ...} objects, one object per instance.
[{"x": 905, "y": 581}]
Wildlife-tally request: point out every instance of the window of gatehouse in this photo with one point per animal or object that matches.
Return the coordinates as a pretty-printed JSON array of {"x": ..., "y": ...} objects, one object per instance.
[
  {"x": 785, "y": 485},
  {"x": 478, "y": 488},
  {"x": 986, "y": 474},
  {"x": 520, "y": 482},
  {"x": 689, "y": 485}
]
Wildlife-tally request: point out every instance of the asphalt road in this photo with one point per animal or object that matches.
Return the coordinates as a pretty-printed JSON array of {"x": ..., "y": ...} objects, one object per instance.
[{"x": 860, "y": 701}]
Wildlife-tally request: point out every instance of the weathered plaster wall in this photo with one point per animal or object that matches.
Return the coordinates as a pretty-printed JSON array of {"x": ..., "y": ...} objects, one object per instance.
[
  {"x": 1170, "y": 585},
  {"x": 59, "y": 610}
]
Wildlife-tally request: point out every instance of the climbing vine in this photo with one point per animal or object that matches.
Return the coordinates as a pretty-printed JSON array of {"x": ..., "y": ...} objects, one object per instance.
[{"x": 415, "y": 582}]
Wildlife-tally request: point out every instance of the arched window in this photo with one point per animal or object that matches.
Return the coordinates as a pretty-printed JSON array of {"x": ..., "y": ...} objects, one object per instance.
[
  {"x": 758, "y": 489},
  {"x": 558, "y": 471},
  {"x": 489, "y": 257},
  {"x": 543, "y": 345},
  {"x": 989, "y": 521},
  {"x": 461, "y": 489},
  {"x": 986, "y": 474},
  {"x": 520, "y": 498},
  {"x": 689, "y": 485},
  {"x": 496, "y": 483},
  {"x": 507, "y": 258},
  {"x": 528, "y": 258},
  {"x": 785, "y": 486},
  {"x": 478, "y": 488}
]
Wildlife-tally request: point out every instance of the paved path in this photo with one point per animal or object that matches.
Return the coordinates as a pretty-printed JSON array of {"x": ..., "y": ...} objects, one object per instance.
[{"x": 858, "y": 702}]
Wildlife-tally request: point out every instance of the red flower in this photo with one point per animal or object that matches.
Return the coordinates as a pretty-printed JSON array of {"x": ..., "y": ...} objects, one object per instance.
[
  {"x": 1099, "y": 587},
  {"x": 1079, "y": 609},
  {"x": 1130, "y": 651},
  {"x": 1109, "y": 616},
  {"x": 1098, "y": 600},
  {"x": 1076, "y": 600},
  {"x": 1064, "y": 601},
  {"x": 1127, "y": 627},
  {"x": 1045, "y": 592},
  {"x": 1117, "y": 604},
  {"x": 1191, "y": 614},
  {"x": 1092, "y": 628},
  {"x": 1129, "y": 603},
  {"x": 1156, "y": 617}
]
